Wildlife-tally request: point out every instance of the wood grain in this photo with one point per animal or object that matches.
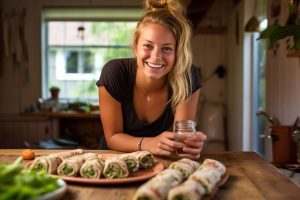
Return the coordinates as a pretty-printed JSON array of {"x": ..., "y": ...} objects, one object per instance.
[{"x": 250, "y": 177}]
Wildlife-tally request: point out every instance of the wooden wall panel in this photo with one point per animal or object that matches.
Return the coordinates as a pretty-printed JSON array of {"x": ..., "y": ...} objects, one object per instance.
[{"x": 16, "y": 130}]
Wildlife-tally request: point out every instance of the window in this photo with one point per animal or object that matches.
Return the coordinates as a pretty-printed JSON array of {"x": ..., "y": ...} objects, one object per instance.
[{"x": 76, "y": 47}]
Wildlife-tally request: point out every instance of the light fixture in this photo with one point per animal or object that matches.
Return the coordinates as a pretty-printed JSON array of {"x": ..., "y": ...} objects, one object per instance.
[{"x": 80, "y": 32}]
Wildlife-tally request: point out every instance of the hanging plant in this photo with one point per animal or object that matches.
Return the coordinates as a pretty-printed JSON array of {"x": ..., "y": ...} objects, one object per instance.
[{"x": 277, "y": 32}]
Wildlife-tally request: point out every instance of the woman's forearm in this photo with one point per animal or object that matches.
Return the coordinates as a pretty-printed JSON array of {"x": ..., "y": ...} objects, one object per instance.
[{"x": 123, "y": 142}]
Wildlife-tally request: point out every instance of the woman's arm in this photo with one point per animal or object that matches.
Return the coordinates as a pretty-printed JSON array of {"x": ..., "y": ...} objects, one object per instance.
[
  {"x": 112, "y": 122},
  {"x": 187, "y": 110}
]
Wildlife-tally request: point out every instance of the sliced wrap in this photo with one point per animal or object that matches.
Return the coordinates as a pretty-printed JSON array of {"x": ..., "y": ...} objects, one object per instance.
[
  {"x": 92, "y": 168},
  {"x": 70, "y": 166},
  {"x": 185, "y": 166},
  {"x": 159, "y": 186},
  {"x": 131, "y": 161},
  {"x": 115, "y": 167},
  {"x": 48, "y": 163},
  {"x": 146, "y": 159}
]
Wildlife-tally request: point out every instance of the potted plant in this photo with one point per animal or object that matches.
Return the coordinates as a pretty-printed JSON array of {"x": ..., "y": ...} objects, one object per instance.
[
  {"x": 54, "y": 90},
  {"x": 277, "y": 32}
]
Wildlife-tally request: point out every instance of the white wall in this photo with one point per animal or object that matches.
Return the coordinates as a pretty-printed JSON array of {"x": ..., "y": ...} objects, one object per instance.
[{"x": 283, "y": 78}]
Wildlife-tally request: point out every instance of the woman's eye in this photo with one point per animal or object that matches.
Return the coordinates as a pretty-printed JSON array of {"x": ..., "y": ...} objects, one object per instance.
[
  {"x": 147, "y": 46},
  {"x": 167, "y": 49}
]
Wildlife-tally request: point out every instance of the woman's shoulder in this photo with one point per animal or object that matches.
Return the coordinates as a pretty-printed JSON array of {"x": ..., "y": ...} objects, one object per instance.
[{"x": 125, "y": 62}]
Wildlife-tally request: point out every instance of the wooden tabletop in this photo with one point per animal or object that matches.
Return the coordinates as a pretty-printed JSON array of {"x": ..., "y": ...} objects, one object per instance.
[{"x": 250, "y": 177}]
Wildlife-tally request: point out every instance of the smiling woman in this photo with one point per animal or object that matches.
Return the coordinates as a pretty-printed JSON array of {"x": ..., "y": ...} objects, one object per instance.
[{"x": 141, "y": 97}]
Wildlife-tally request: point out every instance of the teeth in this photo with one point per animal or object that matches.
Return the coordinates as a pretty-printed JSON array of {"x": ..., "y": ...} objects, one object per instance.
[{"x": 155, "y": 65}]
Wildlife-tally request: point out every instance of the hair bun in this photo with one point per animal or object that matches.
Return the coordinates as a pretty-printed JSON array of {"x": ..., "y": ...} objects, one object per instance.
[
  {"x": 171, "y": 5},
  {"x": 151, "y": 5}
]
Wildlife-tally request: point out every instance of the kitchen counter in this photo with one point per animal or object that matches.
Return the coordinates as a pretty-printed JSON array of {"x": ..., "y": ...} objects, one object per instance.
[{"x": 250, "y": 177}]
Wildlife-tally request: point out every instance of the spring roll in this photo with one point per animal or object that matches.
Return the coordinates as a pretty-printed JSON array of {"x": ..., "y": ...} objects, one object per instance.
[
  {"x": 207, "y": 178},
  {"x": 185, "y": 166},
  {"x": 159, "y": 186},
  {"x": 70, "y": 166},
  {"x": 146, "y": 159},
  {"x": 48, "y": 163},
  {"x": 92, "y": 168},
  {"x": 131, "y": 161},
  {"x": 189, "y": 190},
  {"x": 115, "y": 167},
  {"x": 210, "y": 163}
]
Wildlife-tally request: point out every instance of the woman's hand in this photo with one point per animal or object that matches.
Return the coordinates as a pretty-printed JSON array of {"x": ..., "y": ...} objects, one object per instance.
[
  {"x": 195, "y": 145},
  {"x": 163, "y": 144}
]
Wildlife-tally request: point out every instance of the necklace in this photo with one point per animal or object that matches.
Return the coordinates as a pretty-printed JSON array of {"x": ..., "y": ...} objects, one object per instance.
[{"x": 148, "y": 97}]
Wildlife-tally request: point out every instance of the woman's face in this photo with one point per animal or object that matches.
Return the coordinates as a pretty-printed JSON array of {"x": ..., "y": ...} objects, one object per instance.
[{"x": 155, "y": 51}]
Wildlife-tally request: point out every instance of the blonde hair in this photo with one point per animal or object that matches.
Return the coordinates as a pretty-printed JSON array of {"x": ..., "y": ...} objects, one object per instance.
[{"x": 171, "y": 14}]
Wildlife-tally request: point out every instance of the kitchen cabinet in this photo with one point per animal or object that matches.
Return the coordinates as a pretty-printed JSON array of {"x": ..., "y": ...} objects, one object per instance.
[
  {"x": 19, "y": 132},
  {"x": 28, "y": 129},
  {"x": 83, "y": 128}
]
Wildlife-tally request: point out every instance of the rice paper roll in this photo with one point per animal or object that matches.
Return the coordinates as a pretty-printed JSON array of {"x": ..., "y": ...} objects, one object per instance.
[
  {"x": 70, "y": 166},
  {"x": 210, "y": 163},
  {"x": 159, "y": 186},
  {"x": 185, "y": 166},
  {"x": 92, "y": 168},
  {"x": 208, "y": 178},
  {"x": 146, "y": 159},
  {"x": 48, "y": 163},
  {"x": 67, "y": 154},
  {"x": 115, "y": 167},
  {"x": 131, "y": 161},
  {"x": 189, "y": 190}
]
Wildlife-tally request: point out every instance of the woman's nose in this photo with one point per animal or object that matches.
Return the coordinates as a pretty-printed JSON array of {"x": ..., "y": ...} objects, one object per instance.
[{"x": 156, "y": 54}]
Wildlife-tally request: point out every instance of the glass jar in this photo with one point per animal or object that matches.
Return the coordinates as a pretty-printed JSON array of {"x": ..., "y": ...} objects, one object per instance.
[{"x": 183, "y": 130}]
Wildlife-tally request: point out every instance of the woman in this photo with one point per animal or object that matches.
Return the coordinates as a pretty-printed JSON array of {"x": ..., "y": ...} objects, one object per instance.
[{"x": 141, "y": 97}]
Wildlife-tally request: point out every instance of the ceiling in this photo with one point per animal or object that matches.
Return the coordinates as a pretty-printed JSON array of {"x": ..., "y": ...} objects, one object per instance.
[{"x": 196, "y": 10}]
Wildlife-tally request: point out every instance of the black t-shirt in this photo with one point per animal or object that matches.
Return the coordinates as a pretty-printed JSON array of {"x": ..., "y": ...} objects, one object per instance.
[{"x": 118, "y": 78}]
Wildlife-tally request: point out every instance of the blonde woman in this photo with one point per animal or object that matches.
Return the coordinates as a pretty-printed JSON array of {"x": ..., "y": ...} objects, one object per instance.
[{"x": 140, "y": 98}]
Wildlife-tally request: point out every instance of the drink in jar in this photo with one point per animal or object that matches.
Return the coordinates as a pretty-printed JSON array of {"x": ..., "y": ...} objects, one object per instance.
[{"x": 183, "y": 129}]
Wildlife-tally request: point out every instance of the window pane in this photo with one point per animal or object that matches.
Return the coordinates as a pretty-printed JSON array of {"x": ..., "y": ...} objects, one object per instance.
[
  {"x": 88, "y": 62},
  {"x": 75, "y": 59},
  {"x": 72, "y": 61}
]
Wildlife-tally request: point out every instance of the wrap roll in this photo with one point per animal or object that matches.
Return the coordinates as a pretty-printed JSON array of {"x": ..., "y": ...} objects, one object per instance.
[
  {"x": 131, "y": 161},
  {"x": 210, "y": 163},
  {"x": 115, "y": 167},
  {"x": 202, "y": 182},
  {"x": 146, "y": 159},
  {"x": 92, "y": 168},
  {"x": 159, "y": 186},
  {"x": 189, "y": 190},
  {"x": 70, "y": 166},
  {"x": 185, "y": 166},
  {"x": 48, "y": 163},
  {"x": 207, "y": 178}
]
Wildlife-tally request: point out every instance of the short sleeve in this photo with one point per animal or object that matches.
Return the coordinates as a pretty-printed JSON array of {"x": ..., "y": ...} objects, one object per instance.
[
  {"x": 195, "y": 78},
  {"x": 112, "y": 78}
]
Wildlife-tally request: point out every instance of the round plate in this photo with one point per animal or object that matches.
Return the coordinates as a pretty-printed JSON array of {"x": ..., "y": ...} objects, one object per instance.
[{"x": 140, "y": 175}]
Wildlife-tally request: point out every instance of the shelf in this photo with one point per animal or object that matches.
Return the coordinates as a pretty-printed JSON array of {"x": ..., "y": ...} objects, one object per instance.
[{"x": 293, "y": 54}]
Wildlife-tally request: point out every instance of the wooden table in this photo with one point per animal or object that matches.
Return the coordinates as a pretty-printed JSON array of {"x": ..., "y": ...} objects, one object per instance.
[{"x": 250, "y": 177}]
